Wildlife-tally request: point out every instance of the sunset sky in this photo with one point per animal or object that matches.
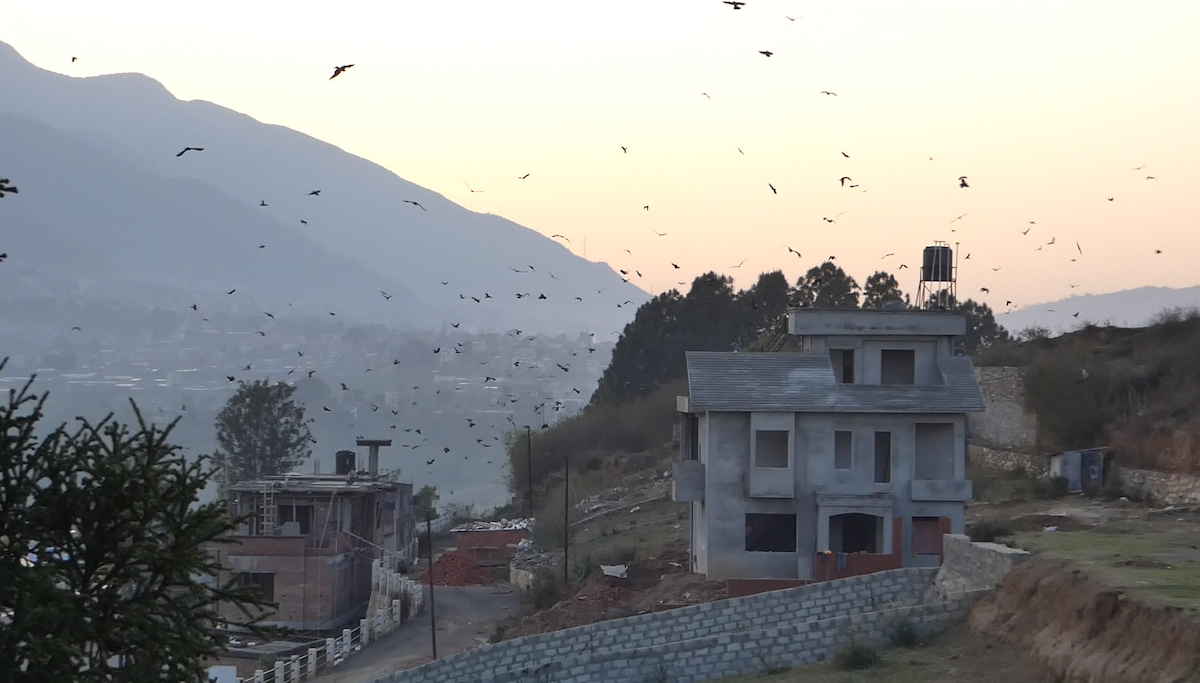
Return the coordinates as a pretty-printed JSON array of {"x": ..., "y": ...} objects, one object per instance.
[{"x": 1047, "y": 108}]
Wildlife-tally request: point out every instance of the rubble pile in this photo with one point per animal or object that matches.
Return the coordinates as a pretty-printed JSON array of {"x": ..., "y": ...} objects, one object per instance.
[
  {"x": 456, "y": 569},
  {"x": 502, "y": 525}
]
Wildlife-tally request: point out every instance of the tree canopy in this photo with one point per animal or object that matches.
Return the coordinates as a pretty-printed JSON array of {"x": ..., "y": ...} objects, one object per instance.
[
  {"x": 424, "y": 503},
  {"x": 881, "y": 289},
  {"x": 105, "y": 568},
  {"x": 826, "y": 286},
  {"x": 982, "y": 328},
  {"x": 261, "y": 432}
]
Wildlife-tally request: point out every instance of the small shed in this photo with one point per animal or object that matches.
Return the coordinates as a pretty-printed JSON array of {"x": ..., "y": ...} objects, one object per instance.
[{"x": 1083, "y": 469}]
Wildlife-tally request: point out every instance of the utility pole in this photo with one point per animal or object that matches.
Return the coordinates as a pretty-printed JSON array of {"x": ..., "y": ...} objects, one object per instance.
[
  {"x": 529, "y": 468},
  {"x": 432, "y": 618},
  {"x": 566, "y": 516}
]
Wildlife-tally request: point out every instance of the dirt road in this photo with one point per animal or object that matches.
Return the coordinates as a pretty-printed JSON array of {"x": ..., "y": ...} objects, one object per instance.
[{"x": 465, "y": 618}]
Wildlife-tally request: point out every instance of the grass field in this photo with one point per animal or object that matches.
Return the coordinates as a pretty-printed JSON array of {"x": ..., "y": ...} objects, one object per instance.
[
  {"x": 1159, "y": 563},
  {"x": 655, "y": 525}
]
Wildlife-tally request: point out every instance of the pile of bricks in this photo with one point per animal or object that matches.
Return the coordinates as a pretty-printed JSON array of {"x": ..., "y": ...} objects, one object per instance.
[{"x": 455, "y": 569}]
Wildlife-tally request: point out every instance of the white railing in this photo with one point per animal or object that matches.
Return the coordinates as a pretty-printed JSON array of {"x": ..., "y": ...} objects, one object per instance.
[{"x": 386, "y": 585}]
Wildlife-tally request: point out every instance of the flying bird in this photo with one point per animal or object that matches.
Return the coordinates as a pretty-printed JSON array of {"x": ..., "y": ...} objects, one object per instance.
[
  {"x": 765, "y": 53},
  {"x": 562, "y": 236},
  {"x": 791, "y": 18},
  {"x": 706, "y": 95},
  {"x": 386, "y": 295},
  {"x": 231, "y": 291},
  {"x": 337, "y": 70},
  {"x": 1079, "y": 248},
  {"x": 416, "y": 204},
  {"x": 646, "y": 207},
  {"x": 473, "y": 189},
  {"x": 190, "y": 149},
  {"x": 522, "y": 177},
  {"x": 962, "y": 181},
  {"x": 623, "y": 150},
  {"x": 773, "y": 190},
  {"x": 843, "y": 180},
  {"x": 845, "y": 155},
  {"x": 315, "y": 193},
  {"x": 74, "y": 59},
  {"x": 737, "y": 4},
  {"x": 826, "y": 92},
  {"x": 262, "y": 202}
]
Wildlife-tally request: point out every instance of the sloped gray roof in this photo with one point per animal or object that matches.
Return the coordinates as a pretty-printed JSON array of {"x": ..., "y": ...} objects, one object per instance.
[{"x": 804, "y": 382}]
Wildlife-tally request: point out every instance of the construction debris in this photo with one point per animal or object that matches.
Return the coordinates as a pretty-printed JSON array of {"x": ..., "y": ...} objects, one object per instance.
[
  {"x": 456, "y": 569},
  {"x": 502, "y": 525}
]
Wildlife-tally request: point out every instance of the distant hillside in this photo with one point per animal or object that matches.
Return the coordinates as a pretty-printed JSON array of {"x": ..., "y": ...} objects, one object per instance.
[
  {"x": 1127, "y": 308},
  {"x": 360, "y": 215}
]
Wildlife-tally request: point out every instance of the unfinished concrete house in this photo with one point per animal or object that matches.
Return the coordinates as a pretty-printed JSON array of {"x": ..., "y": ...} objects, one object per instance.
[
  {"x": 844, "y": 458},
  {"x": 311, "y": 541}
]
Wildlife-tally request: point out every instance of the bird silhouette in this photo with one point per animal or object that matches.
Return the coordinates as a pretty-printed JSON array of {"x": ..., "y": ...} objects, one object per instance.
[
  {"x": 190, "y": 149},
  {"x": 791, "y": 18},
  {"x": 560, "y": 236},
  {"x": 337, "y": 70},
  {"x": 231, "y": 291},
  {"x": 737, "y": 4},
  {"x": 773, "y": 190},
  {"x": 843, "y": 180},
  {"x": 315, "y": 193},
  {"x": 74, "y": 59},
  {"x": 793, "y": 251},
  {"x": 660, "y": 234},
  {"x": 623, "y": 150},
  {"x": 765, "y": 53},
  {"x": 962, "y": 181},
  {"x": 262, "y": 202},
  {"x": 472, "y": 189},
  {"x": 522, "y": 177},
  {"x": 826, "y": 92},
  {"x": 416, "y": 204}
]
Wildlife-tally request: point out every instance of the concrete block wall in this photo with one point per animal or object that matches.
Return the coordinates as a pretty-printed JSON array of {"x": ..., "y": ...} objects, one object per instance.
[
  {"x": 1008, "y": 461},
  {"x": 711, "y": 632},
  {"x": 971, "y": 566}
]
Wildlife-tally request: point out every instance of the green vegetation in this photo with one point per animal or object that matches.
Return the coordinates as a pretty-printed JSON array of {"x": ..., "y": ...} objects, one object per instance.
[
  {"x": 261, "y": 432},
  {"x": 424, "y": 503},
  {"x": 1160, "y": 565},
  {"x": 104, "y": 551},
  {"x": 989, "y": 530},
  {"x": 902, "y": 632},
  {"x": 856, "y": 655},
  {"x": 1134, "y": 389}
]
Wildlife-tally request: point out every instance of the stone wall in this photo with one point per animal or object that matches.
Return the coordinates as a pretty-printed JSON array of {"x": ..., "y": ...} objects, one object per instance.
[
  {"x": 971, "y": 566},
  {"x": 1159, "y": 488},
  {"x": 1008, "y": 461},
  {"x": 1004, "y": 424},
  {"x": 734, "y": 636}
]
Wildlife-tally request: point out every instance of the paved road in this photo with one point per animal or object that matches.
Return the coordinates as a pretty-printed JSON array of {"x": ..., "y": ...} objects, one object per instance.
[{"x": 465, "y": 618}]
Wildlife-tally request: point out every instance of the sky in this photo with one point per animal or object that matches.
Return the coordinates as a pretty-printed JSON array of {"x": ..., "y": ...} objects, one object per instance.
[{"x": 1048, "y": 109}]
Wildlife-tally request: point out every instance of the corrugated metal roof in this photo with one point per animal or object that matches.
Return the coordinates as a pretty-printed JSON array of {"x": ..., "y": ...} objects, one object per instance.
[{"x": 804, "y": 382}]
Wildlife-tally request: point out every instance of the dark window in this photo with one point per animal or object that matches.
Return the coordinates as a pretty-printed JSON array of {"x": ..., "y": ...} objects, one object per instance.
[
  {"x": 693, "y": 425},
  {"x": 770, "y": 533},
  {"x": 934, "y": 450},
  {"x": 855, "y": 532},
  {"x": 843, "y": 364},
  {"x": 265, "y": 581},
  {"x": 297, "y": 513},
  {"x": 843, "y": 443},
  {"x": 770, "y": 448},
  {"x": 926, "y": 536},
  {"x": 897, "y": 366},
  {"x": 883, "y": 457}
]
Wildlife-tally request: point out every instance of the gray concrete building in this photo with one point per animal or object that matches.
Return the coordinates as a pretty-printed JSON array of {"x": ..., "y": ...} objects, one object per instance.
[{"x": 844, "y": 458}]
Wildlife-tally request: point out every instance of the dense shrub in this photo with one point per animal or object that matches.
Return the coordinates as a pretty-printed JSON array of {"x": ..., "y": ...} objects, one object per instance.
[{"x": 857, "y": 654}]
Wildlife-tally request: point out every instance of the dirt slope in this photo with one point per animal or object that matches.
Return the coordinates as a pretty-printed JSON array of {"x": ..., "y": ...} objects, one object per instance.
[{"x": 1087, "y": 633}]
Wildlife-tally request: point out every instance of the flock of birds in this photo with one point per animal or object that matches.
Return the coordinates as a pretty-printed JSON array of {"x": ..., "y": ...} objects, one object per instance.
[{"x": 627, "y": 274}]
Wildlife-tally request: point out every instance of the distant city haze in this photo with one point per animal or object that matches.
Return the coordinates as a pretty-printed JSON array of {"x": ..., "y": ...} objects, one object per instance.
[{"x": 1049, "y": 110}]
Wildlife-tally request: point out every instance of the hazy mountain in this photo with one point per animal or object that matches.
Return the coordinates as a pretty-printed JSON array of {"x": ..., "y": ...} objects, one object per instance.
[
  {"x": 360, "y": 214},
  {"x": 86, "y": 216},
  {"x": 1127, "y": 308}
]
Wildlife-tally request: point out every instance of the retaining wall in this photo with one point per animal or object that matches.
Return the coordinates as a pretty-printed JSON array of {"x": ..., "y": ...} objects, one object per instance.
[
  {"x": 971, "y": 566},
  {"x": 793, "y": 626},
  {"x": 1160, "y": 488},
  {"x": 1004, "y": 423}
]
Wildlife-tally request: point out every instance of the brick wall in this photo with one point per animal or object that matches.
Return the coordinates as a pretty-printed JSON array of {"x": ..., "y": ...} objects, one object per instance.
[
  {"x": 491, "y": 547},
  {"x": 726, "y": 637}
]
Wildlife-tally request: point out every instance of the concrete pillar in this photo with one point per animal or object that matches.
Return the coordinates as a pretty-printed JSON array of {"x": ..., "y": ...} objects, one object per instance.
[
  {"x": 295, "y": 668},
  {"x": 330, "y": 653},
  {"x": 259, "y": 676},
  {"x": 312, "y": 662},
  {"x": 278, "y": 672},
  {"x": 396, "y": 612},
  {"x": 364, "y": 630},
  {"x": 346, "y": 642}
]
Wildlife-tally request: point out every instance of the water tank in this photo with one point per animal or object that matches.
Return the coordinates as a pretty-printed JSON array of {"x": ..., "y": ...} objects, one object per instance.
[
  {"x": 937, "y": 264},
  {"x": 343, "y": 462}
]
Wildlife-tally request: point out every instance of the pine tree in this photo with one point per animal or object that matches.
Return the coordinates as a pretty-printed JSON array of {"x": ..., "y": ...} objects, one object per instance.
[
  {"x": 104, "y": 553},
  {"x": 261, "y": 432}
]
